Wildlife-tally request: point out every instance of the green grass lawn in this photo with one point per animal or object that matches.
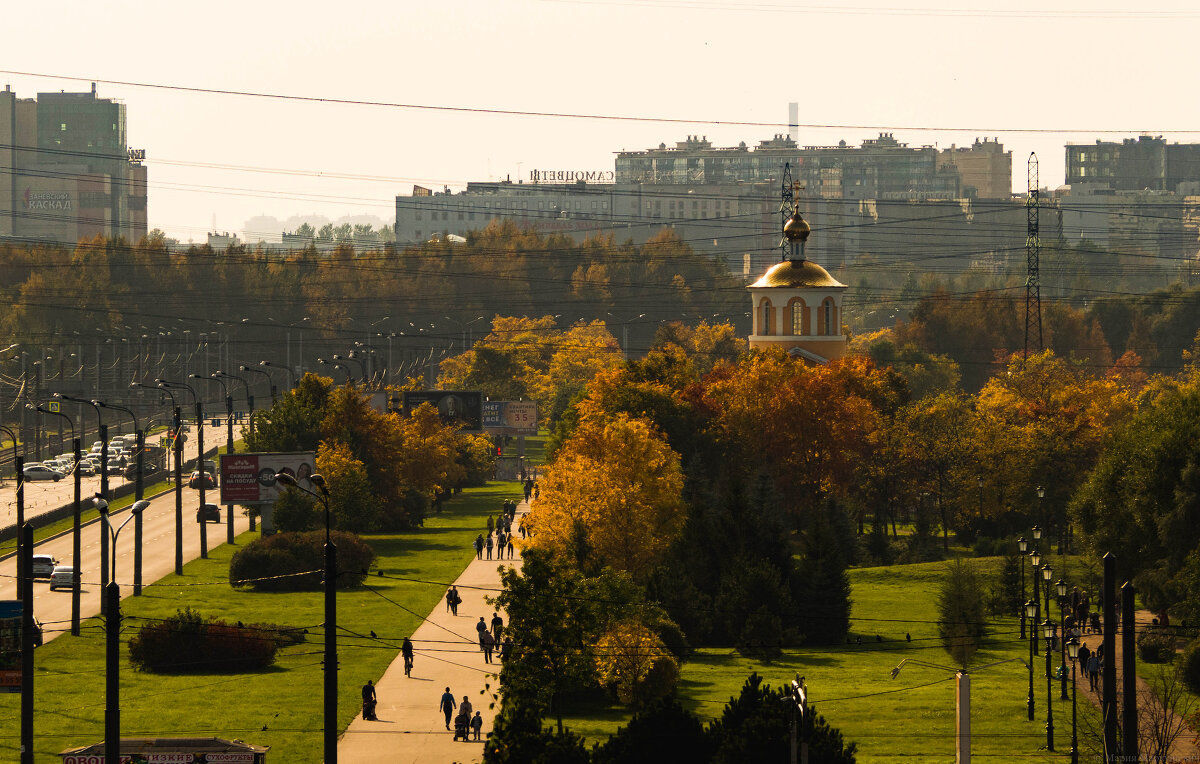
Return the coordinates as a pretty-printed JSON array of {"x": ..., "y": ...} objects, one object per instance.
[
  {"x": 280, "y": 706},
  {"x": 910, "y": 718}
]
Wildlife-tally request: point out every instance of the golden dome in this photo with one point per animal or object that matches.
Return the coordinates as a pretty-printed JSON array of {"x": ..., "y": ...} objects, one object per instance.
[
  {"x": 797, "y": 274},
  {"x": 797, "y": 228}
]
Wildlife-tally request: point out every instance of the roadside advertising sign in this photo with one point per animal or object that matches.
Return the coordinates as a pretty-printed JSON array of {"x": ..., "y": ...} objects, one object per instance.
[
  {"x": 250, "y": 478},
  {"x": 11, "y": 614},
  {"x": 463, "y": 407},
  {"x": 510, "y": 417}
]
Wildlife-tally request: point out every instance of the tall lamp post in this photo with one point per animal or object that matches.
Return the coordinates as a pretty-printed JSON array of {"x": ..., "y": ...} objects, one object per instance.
[
  {"x": 199, "y": 457},
  {"x": 1049, "y": 628},
  {"x": 291, "y": 374},
  {"x": 102, "y": 430},
  {"x": 362, "y": 369},
  {"x": 330, "y": 712},
  {"x": 138, "y": 492},
  {"x": 1035, "y": 559},
  {"x": 19, "y": 466},
  {"x": 1060, "y": 589},
  {"x": 270, "y": 379},
  {"x": 76, "y": 525},
  {"x": 1073, "y": 653},
  {"x": 250, "y": 410},
  {"x": 177, "y": 456},
  {"x": 216, "y": 377},
  {"x": 1031, "y": 613},
  {"x": 112, "y": 624},
  {"x": 336, "y": 365},
  {"x": 1022, "y": 544}
]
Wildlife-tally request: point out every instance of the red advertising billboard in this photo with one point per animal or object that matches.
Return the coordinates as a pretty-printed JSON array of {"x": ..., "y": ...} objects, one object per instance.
[{"x": 250, "y": 478}]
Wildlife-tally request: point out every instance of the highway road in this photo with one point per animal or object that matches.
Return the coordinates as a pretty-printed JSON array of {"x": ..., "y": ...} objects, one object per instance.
[
  {"x": 53, "y": 609},
  {"x": 43, "y": 496}
]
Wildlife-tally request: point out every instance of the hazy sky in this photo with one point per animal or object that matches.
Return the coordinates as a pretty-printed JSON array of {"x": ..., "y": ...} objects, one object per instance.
[{"x": 1017, "y": 71}]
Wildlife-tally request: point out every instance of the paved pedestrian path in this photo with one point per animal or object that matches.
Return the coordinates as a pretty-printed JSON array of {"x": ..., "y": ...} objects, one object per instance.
[{"x": 410, "y": 728}]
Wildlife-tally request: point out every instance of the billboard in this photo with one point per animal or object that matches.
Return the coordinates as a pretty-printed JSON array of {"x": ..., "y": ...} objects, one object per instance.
[
  {"x": 510, "y": 417},
  {"x": 250, "y": 478},
  {"x": 11, "y": 616},
  {"x": 456, "y": 406}
]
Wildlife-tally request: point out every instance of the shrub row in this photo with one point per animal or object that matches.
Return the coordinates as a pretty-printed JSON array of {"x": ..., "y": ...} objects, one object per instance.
[{"x": 188, "y": 643}]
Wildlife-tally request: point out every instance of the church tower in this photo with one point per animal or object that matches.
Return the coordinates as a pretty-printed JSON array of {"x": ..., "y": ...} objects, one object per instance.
[{"x": 797, "y": 305}]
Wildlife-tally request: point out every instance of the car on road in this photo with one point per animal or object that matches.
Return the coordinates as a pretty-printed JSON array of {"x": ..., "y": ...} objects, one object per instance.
[
  {"x": 208, "y": 512},
  {"x": 131, "y": 469},
  {"x": 41, "y": 472},
  {"x": 197, "y": 477},
  {"x": 86, "y": 467},
  {"x": 115, "y": 466},
  {"x": 43, "y": 565},
  {"x": 63, "y": 577}
]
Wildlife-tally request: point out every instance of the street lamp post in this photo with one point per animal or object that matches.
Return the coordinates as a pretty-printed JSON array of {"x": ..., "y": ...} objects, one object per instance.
[
  {"x": 270, "y": 381},
  {"x": 1031, "y": 612},
  {"x": 102, "y": 430},
  {"x": 330, "y": 710},
  {"x": 1035, "y": 559},
  {"x": 1073, "y": 653},
  {"x": 291, "y": 375},
  {"x": 19, "y": 466},
  {"x": 362, "y": 372},
  {"x": 177, "y": 456},
  {"x": 1022, "y": 544},
  {"x": 112, "y": 623},
  {"x": 1060, "y": 589},
  {"x": 336, "y": 365},
  {"x": 216, "y": 377},
  {"x": 76, "y": 527},
  {"x": 199, "y": 458},
  {"x": 138, "y": 492},
  {"x": 1048, "y": 630}
]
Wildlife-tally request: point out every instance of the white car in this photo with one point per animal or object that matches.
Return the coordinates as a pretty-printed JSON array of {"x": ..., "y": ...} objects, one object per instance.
[
  {"x": 43, "y": 565},
  {"x": 41, "y": 472},
  {"x": 63, "y": 577}
]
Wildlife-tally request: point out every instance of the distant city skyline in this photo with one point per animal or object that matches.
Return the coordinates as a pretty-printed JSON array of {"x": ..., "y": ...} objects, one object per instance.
[{"x": 1023, "y": 75}]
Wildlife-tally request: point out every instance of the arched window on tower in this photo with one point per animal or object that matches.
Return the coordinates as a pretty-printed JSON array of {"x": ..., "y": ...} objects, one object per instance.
[
  {"x": 828, "y": 321},
  {"x": 798, "y": 316},
  {"x": 766, "y": 319}
]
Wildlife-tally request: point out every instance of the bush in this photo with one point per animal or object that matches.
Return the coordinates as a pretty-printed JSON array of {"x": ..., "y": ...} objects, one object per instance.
[
  {"x": 762, "y": 636},
  {"x": 1156, "y": 646},
  {"x": 187, "y": 643},
  {"x": 1190, "y": 666},
  {"x": 289, "y": 562}
]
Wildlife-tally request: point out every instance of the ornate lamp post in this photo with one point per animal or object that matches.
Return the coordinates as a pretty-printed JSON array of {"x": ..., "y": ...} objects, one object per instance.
[
  {"x": 330, "y": 710},
  {"x": 1047, "y": 575},
  {"x": 1031, "y": 613},
  {"x": 1022, "y": 544},
  {"x": 1049, "y": 628},
  {"x": 1060, "y": 589},
  {"x": 1073, "y": 653},
  {"x": 1035, "y": 559}
]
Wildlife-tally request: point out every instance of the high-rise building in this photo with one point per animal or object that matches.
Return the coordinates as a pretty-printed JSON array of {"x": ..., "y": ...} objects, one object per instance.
[
  {"x": 1144, "y": 164},
  {"x": 68, "y": 170}
]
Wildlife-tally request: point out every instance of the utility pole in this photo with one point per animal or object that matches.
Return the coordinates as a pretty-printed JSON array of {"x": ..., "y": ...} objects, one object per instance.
[{"x": 1033, "y": 251}]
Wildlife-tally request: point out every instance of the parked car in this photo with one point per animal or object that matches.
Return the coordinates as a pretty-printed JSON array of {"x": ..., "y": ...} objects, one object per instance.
[
  {"x": 41, "y": 472},
  {"x": 196, "y": 478},
  {"x": 208, "y": 512},
  {"x": 62, "y": 577},
  {"x": 43, "y": 565}
]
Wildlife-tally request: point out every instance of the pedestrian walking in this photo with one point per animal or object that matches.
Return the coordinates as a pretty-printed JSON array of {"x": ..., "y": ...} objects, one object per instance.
[
  {"x": 497, "y": 625},
  {"x": 479, "y": 547},
  {"x": 489, "y": 644},
  {"x": 536, "y": 491},
  {"x": 455, "y": 600},
  {"x": 1093, "y": 669},
  {"x": 528, "y": 488},
  {"x": 449, "y": 599},
  {"x": 481, "y": 628},
  {"x": 522, "y": 526},
  {"x": 510, "y": 547},
  {"x": 476, "y": 724},
  {"x": 465, "y": 707},
  {"x": 447, "y": 705},
  {"x": 500, "y": 542},
  {"x": 490, "y": 543},
  {"x": 491, "y": 525},
  {"x": 506, "y": 648},
  {"x": 369, "y": 701}
]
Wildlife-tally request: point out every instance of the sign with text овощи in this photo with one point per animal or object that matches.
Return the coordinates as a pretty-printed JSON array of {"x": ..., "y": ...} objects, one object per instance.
[
  {"x": 250, "y": 478},
  {"x": 510, "y": 417}
]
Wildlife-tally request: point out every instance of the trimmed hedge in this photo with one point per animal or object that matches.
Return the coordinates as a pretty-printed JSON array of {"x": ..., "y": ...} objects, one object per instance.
[
  {"x": 187, "y": 643},
  {"x": 288, "y": 562}
]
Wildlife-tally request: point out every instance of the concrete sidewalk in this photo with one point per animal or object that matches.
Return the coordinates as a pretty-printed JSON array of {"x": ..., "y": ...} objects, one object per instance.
[{"x": 410, "y": 728}]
